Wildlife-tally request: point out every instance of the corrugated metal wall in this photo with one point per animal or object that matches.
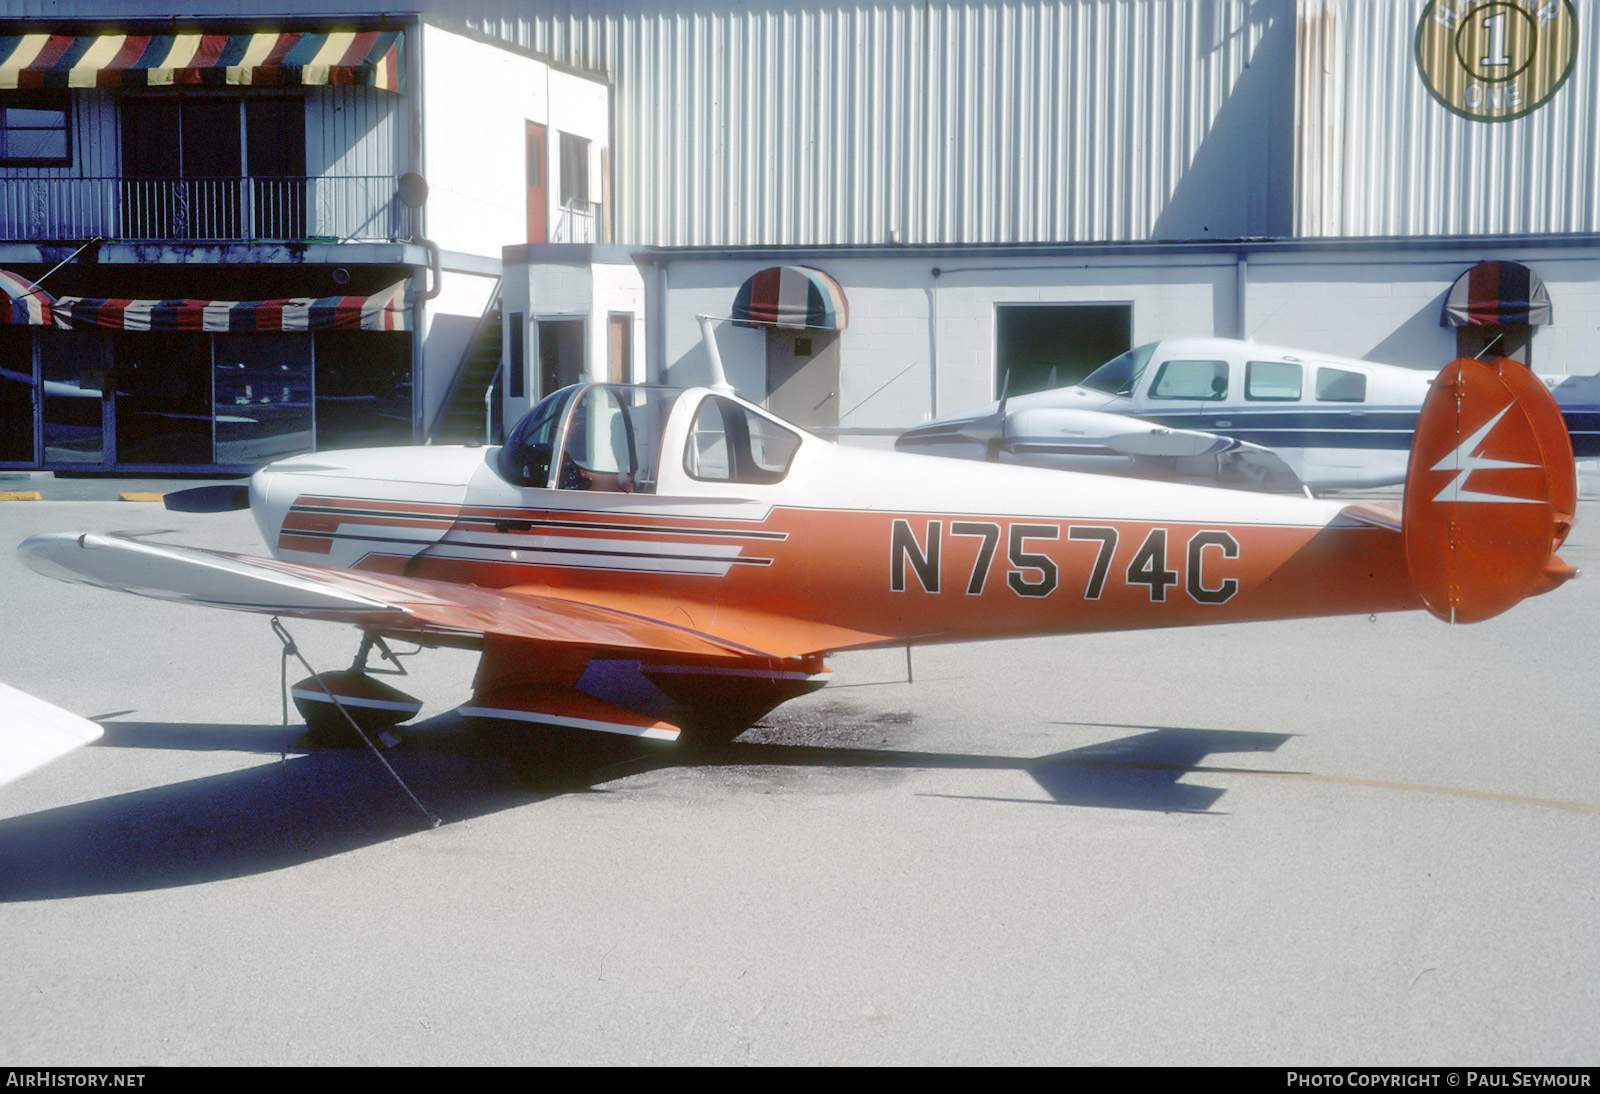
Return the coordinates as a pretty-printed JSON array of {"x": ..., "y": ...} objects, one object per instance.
[
  {"x": 991, "y": 121},
  {"x": 1379, "y": 157},
  {"x": 356, "y": 131},
  {"x": 815, "y": 123}
]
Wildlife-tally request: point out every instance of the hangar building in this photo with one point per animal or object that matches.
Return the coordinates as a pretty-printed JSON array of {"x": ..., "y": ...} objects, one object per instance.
[{"x": 893, "y": 205}]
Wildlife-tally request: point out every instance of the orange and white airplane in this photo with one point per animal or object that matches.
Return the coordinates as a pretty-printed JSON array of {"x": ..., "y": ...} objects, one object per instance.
[{"x": 728, "y": 552}]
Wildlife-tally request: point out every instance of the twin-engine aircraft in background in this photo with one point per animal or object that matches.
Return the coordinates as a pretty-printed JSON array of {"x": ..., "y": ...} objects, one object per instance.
[
  {"x": 1225, "y": 412},
  {"x": 727, "y": 552}
]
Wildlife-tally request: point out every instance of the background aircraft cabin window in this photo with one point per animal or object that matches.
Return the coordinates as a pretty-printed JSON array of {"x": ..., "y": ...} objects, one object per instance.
[
  {"x": 1335, "y": 385},
  {"x": 1271, "y": 381},
  {"x": 1207, "y": 380},
  {"x": 727, "y": 443},
  {"x": 34, "y": 129},
  {"x": 1119, "y": 375}
]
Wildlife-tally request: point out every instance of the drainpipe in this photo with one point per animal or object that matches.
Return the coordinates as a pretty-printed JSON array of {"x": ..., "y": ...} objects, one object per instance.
[{"x": 1241, "y": 290}]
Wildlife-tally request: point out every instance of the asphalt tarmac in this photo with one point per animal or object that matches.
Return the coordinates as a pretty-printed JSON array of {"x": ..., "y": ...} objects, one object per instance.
[{"x": 1345, "y": 841}]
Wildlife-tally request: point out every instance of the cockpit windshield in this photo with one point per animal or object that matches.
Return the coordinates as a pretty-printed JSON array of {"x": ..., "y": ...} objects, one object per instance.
[
  {"x": 1119, "y": 375},
  {"x": 609, "y": 437}
]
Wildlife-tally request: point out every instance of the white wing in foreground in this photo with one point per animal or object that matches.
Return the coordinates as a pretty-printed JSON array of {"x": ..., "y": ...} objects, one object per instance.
[{"x": 34, "y": 732}]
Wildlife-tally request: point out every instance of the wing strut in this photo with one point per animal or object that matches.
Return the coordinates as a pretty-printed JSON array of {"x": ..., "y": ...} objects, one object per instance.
[{"x": 289, "y": 648}]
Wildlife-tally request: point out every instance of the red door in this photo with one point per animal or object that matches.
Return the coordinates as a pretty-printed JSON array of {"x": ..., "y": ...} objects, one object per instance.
[{"x": 538, "y": 203}]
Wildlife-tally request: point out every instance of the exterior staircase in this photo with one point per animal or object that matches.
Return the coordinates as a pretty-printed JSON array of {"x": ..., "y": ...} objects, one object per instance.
[{"x": 468, "y": 415}]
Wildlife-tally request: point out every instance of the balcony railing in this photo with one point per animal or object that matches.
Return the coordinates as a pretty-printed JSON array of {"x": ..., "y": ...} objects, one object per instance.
[
  {"x": 578, "y": 222},
  {"x": 205, "y": 210}
]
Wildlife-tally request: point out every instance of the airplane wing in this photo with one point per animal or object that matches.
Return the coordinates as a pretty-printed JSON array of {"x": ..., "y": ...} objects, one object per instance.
[
  {"x": 1062, "y": 436},
  {"x": 638, "y": 625},
  {"x": 34, "y": 732}
]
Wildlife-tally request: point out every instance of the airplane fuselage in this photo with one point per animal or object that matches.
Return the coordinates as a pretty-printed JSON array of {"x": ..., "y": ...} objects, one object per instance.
[{"x": 882, "y": 546}]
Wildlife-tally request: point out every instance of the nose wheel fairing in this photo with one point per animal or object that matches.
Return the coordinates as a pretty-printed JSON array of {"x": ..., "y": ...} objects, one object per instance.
[{"x": 372, "y": 704}]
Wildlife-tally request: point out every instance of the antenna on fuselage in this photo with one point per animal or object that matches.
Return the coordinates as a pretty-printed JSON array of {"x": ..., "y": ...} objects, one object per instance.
[{"x": 719, "y": 378}]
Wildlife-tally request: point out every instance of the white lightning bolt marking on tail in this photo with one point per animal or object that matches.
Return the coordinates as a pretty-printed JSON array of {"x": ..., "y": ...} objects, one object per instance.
[{"x": 1465, "y": 461}]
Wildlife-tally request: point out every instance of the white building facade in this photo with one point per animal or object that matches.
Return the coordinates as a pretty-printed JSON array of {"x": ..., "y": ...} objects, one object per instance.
[{"x": 1016, "y": 188}]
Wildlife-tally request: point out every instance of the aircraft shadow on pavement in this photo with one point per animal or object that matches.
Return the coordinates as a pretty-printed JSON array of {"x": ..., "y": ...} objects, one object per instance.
[
  {"x": 1140, "y": 772},
  {"x": 273, "y": 816}
]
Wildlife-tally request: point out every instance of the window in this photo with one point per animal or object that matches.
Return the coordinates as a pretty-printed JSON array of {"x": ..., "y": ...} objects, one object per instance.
[
  {"x": 599, "y": 453},
  {"x": 1335, "y": 385},
  {"x": 574, "y": 169},
  {"x": 34, "y": 129},
  {"x": 729, "y": 443},
  {"x": 525, "y": 457},
  {"x": 1271, "y": 381},
  {"x": 610, "y": 438},
  {"x": 183, "y": 159},
  {"x": 516, "y": 366},
  {"x": 1206, "y": 380}
]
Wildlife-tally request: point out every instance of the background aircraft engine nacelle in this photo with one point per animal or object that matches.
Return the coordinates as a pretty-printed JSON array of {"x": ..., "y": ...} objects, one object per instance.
[{"x": 1063, "y": 429}]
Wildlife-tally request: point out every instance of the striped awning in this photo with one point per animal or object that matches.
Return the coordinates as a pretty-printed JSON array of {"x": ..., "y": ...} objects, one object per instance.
[
  {"x": 1496, "y": 294},
  {"x": 791, "y": 297},
  {"x": 382, "y": 311},
  {"x": 21, "y": 301},
  {"x": 375, "y": 58}
]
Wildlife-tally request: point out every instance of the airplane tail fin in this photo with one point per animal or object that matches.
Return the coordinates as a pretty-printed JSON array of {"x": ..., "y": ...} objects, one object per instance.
[{"x": 1490, "y": 493}]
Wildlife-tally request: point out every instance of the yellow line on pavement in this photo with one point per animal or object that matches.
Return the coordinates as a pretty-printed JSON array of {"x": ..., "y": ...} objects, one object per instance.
[{"x": 1518, "y": 799}]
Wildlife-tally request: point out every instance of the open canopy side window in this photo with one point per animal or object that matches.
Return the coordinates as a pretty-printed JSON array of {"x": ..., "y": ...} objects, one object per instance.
[{"x": 731, "y": 443}]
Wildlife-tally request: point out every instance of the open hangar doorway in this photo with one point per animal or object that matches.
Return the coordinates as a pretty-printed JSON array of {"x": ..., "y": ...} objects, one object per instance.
[{"x": 1046, "y": 345}]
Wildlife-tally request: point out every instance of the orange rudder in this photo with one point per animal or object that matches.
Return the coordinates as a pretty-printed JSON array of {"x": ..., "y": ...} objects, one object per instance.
[
  {"x": 1489, "y": 492},
  {"x": 1555, "y": 442}
]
